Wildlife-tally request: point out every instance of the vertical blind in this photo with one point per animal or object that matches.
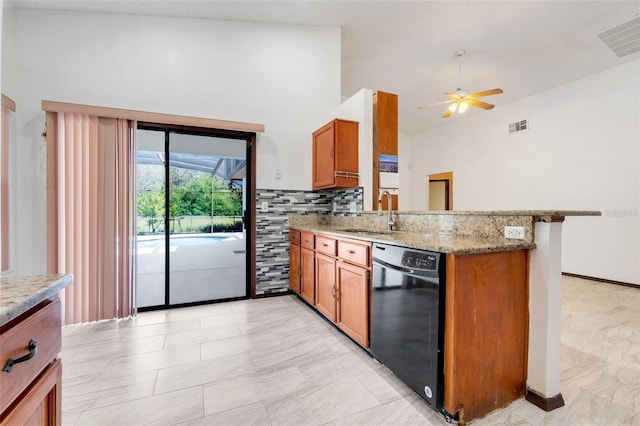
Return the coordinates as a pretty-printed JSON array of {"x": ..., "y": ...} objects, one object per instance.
[
  {"x": 91, "y": 213},
  {"x": 8, "y": 105}
]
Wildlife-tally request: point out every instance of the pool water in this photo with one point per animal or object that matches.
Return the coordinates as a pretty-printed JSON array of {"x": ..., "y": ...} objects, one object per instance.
[{"x": 179, "y": 241}]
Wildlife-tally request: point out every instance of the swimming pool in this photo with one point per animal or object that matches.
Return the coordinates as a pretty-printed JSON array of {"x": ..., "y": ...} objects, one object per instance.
[{"x": 180, "y": 241}]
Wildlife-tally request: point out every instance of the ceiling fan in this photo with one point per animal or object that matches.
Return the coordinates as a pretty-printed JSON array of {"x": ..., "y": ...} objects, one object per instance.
[{"x": 460, "y": 100}]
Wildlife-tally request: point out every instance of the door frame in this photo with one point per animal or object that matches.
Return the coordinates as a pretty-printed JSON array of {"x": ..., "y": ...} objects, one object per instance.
[
  {"x": 249, "y": 213},
  {"x": 448, "y": 178}
]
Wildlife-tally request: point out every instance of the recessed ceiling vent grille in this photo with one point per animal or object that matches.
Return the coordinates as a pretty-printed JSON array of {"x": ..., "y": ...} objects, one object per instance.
[
  {"x": 624, "y": 39},
  {"x": 518, "y": 126}
]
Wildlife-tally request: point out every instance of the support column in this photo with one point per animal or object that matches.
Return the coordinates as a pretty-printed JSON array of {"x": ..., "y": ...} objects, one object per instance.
[{"x": 545, "y": 303}]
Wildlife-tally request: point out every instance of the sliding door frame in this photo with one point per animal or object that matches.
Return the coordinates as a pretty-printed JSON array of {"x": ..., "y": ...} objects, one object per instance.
[{"x": 249, "y": 214}]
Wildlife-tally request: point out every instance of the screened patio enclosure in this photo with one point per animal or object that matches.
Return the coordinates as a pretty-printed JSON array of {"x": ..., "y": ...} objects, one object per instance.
[{"x": 191, "y": 242}]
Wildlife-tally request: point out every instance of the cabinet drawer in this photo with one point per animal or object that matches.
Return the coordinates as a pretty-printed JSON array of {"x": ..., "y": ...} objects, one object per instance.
[
  {"x": 294, "y": 236},
  {"x": 45, "y": 326},
  {"x": 357, "y": 254},
  {"x": 307, "y": 240},
  {"x": 326, "y": 245}
]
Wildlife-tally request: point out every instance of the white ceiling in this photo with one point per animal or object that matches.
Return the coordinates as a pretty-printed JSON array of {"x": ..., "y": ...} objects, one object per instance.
[{"x": 408, "y": 47}]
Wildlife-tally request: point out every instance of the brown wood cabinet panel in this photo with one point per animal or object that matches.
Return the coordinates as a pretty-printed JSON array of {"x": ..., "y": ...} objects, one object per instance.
[
  {"x": 358, "y": 254},
  {"x": 294, "y": 268},
  {"x": 385, "y": 139},
  {"x": 45, "y": 327},
  {"x": 486, "y": 325},
  {"x": 307, "y": 281},
  {"x": 308, "y": 240},
  {"x": 335, "y": 155},
  {"x": 353, "y": 301},
  {"x": 326, "y": 286},
  {"x": 294, "y": 236},
  {"x": 326, "y": 245},
  {"x": 41, "y": 405}
]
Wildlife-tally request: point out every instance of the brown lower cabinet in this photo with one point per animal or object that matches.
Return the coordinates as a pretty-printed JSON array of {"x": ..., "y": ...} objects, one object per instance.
[
  {"x": 335, "y": 280},
  {"x": 31, "y": 391},
  {"x": 353, "y": 301},
  {"x": 295, "y": 270},
  {"x": 486, "y": 316},
  {"x": 326, "y": 289},
  {"x": 486, "y": 329}
]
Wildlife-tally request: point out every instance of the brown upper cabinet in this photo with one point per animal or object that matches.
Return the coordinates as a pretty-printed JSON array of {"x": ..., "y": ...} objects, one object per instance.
[{"x": 335, "y": 155}]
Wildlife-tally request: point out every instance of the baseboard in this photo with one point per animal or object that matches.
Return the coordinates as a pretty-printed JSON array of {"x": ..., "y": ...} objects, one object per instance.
[
  {"x": 547, "y": 404},
  {"x": 602, "y": 280},
  {"x": 272, "y": 294}
]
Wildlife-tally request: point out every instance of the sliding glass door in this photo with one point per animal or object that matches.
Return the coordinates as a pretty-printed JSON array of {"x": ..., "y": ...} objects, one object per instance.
[{"x": 191, "y": 205}]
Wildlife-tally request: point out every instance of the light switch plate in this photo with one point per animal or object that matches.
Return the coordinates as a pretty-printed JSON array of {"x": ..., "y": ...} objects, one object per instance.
[{"x": 265, "y": 207}]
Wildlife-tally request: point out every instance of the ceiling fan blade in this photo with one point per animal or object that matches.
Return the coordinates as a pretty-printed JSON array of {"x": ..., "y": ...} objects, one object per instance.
[
  {"x": 479, "y": 104},
  {"x": 485, "y": 93},
  {"x": 453, "y": 96},
  {"x": 447, "y": 113},
  {"x": 437, "y": 103}
]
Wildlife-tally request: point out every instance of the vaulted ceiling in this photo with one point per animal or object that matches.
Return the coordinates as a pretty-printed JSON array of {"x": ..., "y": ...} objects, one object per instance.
[{"x": 408, "y": 47}]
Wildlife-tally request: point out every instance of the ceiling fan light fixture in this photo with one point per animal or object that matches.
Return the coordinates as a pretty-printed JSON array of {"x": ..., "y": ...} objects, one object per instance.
[
  {"x": 463, "y": 107},
  {"x": 453, "y": 107}
]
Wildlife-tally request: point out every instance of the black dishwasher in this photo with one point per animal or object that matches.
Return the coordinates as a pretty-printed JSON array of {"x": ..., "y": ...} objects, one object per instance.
[{"x": 407, "y": 317}]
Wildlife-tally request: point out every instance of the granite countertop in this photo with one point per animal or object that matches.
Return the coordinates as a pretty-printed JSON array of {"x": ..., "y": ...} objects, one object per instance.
[
  {"x": 435, "y": 242},
  {"x": 533, "y": 213},
  {"x": 19, "y": 294}
]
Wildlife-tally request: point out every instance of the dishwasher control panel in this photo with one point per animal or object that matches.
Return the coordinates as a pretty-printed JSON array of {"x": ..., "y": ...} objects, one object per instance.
[{"x": 420, "y": 260}]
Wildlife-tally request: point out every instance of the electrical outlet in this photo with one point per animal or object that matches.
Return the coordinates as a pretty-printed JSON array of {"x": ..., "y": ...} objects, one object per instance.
[
  {"x": 265, "y": 207},
  {"x": 514, "y": 232},
  {"x": 278, "y": 174}
]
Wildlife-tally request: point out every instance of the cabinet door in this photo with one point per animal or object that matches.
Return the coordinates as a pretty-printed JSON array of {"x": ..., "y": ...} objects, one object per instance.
[
  {"x": 326, "y": 286},
  {"x": 324, "y": 157},
  {"x": 294, "y": 268},
  {"x": 42, "y": 402},
  {"x": 307, "y": 282},
  {"x": 353, "y": 301}
]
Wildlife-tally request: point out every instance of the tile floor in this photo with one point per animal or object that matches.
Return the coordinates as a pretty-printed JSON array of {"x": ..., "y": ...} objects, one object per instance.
[{"x": 275, "y": 362}]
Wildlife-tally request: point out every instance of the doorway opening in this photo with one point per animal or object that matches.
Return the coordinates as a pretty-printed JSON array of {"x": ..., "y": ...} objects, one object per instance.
[
  {"x": 194, "y": 221},
  {"x": 440, "y": 191}
]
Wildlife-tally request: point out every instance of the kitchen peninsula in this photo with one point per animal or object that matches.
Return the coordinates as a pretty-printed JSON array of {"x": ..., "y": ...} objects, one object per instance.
[
  {"x": 502, "y": 309},
  {"x": 30, "y": 341}
]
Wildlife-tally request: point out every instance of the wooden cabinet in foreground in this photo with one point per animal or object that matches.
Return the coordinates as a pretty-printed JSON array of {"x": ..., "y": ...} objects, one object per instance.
[
  {"x": 31, "y": 379},
  {"x": 339, "y": 285},
  {"x": 486, "y": 323},
  {"x": 335, "y": 155}
]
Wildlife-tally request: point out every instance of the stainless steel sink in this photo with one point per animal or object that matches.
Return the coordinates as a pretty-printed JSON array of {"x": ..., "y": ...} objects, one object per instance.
[{"x": 368, "y": 232}]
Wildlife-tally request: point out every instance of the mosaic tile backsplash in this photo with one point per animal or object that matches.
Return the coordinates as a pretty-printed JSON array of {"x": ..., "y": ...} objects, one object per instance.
[{"x": 272, "y": 233}]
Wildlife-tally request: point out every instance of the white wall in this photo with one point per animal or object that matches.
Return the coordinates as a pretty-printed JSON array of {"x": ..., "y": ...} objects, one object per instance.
[
  {"x": 582, "y": 152},
  {"x": 286, "y": 77},
  {"x": 405, "y": 166},
  {"x": 359, "y": 108}
]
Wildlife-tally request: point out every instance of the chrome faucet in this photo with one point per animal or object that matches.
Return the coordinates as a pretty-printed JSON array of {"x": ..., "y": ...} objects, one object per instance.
[{"x": 390, "y": 221}]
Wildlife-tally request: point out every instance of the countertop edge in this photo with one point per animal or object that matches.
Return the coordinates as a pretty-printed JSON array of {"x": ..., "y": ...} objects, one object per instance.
[
  {"x": 533, "y": 213},
  {"x": 24, "y": 303},
  {"x": 413, "y": 240}
]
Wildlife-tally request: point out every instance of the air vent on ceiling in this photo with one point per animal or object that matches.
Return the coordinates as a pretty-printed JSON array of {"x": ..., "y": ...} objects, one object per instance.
[
  {"x": 624, "y": 39},
  {"x": 518, "y": 126}
]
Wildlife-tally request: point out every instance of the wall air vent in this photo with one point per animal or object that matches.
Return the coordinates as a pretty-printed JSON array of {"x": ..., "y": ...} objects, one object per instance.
[
  {"x": 624, "y": 39},
  {"x": 518, "y": 126}
]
